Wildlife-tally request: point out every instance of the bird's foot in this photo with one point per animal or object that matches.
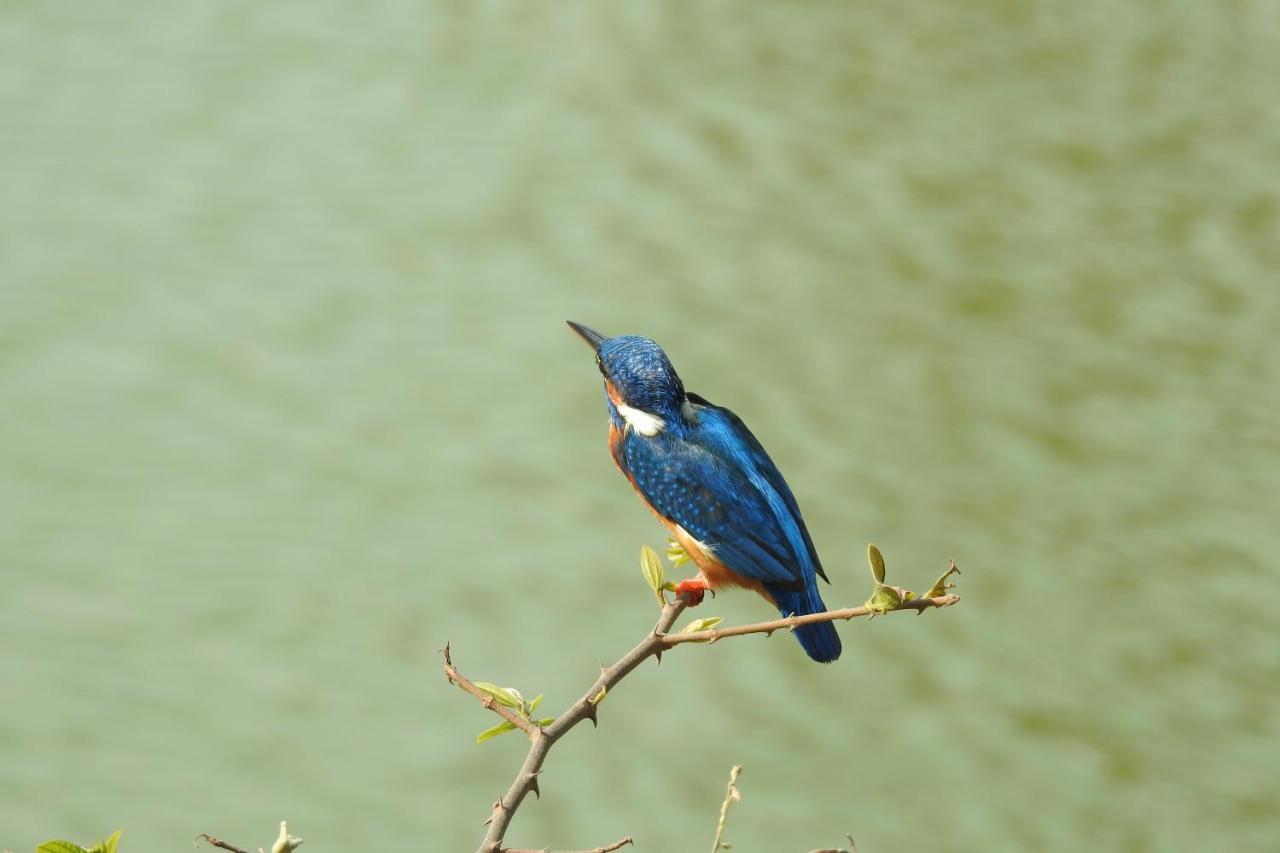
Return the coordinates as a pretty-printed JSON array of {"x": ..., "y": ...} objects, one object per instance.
[{"x": 693, "y": 589}]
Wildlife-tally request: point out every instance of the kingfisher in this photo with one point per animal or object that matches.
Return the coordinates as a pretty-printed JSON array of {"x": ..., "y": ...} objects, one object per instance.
[{"x": 711, "y": 483}]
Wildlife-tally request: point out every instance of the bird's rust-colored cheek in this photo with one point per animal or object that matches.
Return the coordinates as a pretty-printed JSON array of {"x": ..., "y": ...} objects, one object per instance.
[
  {"x": 612, "y": 390},
  {"x": 615, "y": 449}
]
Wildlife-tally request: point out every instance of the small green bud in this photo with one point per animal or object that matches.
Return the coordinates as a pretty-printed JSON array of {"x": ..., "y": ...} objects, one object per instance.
[
  {"x": 886, "y": 598},
  {"x": 286, "y": 843}
]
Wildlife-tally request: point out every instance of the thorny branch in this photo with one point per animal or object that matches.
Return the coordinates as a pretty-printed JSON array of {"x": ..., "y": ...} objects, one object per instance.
[
  {"x": 526, "y": 726},
  {"x": 286, "y": 843},
  {"x": 218, "y": 842},
  {"x": 585, "y": 708},
  {"x": 790, "y": 623},
  {"x": 620, "y": 843}
]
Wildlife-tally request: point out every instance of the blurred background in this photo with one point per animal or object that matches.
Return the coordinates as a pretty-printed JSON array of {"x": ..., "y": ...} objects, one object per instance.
[{"x": 287, "y": 401}]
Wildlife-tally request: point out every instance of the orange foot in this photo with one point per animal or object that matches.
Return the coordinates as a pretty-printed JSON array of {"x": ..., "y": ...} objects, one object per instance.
[{"x": 693, "y": 589}]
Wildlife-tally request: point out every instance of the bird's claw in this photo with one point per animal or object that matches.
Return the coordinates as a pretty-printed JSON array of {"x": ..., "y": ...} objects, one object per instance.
[{"x": 693, "y": 590}]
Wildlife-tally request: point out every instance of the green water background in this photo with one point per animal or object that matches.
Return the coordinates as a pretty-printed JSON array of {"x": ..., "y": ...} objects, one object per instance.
[{"x": 286, "y": 402}]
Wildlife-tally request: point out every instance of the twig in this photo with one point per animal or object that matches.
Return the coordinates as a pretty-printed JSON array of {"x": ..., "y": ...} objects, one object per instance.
[
  {"x": 653, "y": 645},
  {"x": 526, "y": 726},
  {"x": 731, "y": 795},
  {"x": 790, "y": 623},
  {"x": 853, "y": 847},
  {"x": 585, "y": 708},
  {"x": 622, "y": 842},
  {"x": 286, "y": 843},
  {"x": 218, "y": 842}
]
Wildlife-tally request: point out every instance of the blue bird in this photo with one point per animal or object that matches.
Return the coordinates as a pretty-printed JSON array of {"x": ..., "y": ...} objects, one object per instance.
[{"x": 708, "y": 479}]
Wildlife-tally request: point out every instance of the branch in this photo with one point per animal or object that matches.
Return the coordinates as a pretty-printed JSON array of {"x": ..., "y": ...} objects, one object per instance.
[
  {"x": 653, "y": 645},
  {"x": 623, "y": 842},
  {"x": 455, "y": 677},
  {"x": 585, "y": 708},
  {"x": 730, "y": 796},
  {"x": 286, "y": 843},
  {"x": 218, "y": 842},
  {"x": 790, "y": 623}
]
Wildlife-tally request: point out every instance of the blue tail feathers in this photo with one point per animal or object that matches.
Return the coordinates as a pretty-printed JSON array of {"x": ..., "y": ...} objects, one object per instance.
[{"x": 820, "y": 641}]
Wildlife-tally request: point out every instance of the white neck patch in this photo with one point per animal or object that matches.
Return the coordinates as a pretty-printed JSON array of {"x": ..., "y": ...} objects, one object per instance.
[{"x": 642, "y": 422}]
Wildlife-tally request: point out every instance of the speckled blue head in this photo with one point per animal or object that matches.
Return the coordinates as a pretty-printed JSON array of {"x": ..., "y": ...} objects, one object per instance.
[{"x": 637, "y": 373}]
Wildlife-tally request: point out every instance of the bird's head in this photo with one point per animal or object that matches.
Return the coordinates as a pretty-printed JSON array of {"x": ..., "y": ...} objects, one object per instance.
[{"x": 643, "y": 388}]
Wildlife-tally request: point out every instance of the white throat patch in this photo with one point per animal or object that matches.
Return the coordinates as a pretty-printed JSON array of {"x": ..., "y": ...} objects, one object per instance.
[{"x": 642, "y": 422}]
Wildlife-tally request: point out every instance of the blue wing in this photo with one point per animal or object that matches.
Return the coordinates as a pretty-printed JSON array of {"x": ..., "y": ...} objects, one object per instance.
[
  {"x": 717, "y": 482},
  {"x": 765, "y": 466}
]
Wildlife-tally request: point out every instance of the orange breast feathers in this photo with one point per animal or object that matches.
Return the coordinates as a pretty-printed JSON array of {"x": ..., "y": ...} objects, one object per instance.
[{"x": 715, "y": 573}]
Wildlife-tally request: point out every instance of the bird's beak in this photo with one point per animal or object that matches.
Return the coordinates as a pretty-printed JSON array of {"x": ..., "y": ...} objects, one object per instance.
[{"x": 591, "y": 336}]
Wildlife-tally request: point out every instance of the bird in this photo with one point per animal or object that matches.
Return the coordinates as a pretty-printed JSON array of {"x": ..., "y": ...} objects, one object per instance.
[{"x": 711, "y": 483}]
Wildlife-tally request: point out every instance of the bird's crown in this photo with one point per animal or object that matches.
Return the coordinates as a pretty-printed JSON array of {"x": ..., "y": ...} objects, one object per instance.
[
  {"x": 636, "y": 371},
  {"x": 641, "y": 373}
]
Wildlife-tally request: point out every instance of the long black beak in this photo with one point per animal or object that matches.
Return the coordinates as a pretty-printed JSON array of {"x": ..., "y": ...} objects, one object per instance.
[{"x": 591, "y": 336}]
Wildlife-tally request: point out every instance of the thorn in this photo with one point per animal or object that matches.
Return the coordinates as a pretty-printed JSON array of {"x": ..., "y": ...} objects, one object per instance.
[
  {"x": 533, "y": 786},
  {"x": 591, "y": 715},
  {"x": 658, "y": 656}
]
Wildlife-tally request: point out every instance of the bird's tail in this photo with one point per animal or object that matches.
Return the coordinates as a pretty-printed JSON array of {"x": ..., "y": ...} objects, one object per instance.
[{"x": 820, "y": 640}]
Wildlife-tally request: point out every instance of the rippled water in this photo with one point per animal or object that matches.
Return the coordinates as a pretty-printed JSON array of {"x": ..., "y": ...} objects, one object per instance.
[{"x": 286, "y": 402}]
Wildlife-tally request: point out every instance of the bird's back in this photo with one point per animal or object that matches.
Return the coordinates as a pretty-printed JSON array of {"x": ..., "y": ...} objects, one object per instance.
[{"x": 714, "y": 479}]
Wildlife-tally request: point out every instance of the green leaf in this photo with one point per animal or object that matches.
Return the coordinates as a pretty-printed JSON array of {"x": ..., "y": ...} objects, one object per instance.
[
  {"x": 508, "y": 696},
  {"x": 107, "y": 845},
  {"x": 704, "y": 624},
  {"x": 653, "y": 575},
  {"x": 60, "y": 847},
  {"x": 887, "y": 598},
  {"x": 545, "y": 721},
  {"x": 676, "y": 553},
  {"x": 501, "y": 728},
  {"x": 877, "y": 563},
  {"x": 940, "y": 586},
  {"x": 533, "y": 704}
]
